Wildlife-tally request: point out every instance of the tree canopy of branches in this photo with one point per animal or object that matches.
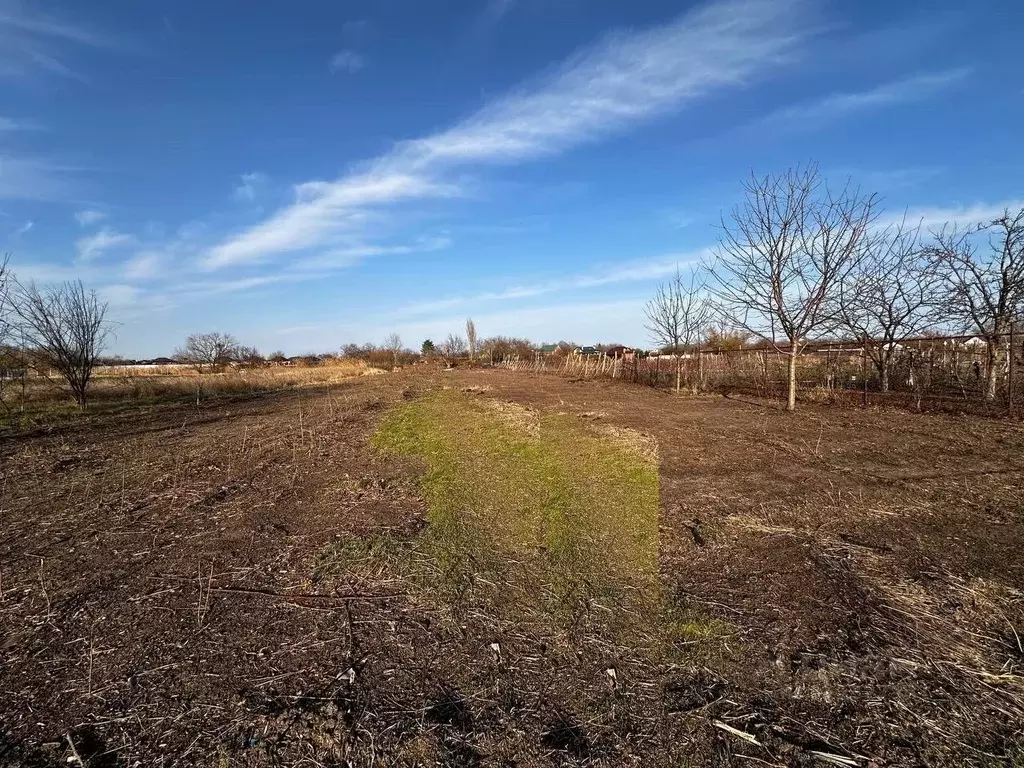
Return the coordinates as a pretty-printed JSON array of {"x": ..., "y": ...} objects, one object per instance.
[
  {"x": 889, "y": 296},
  {"x": 427, "y": 347},
  {"x": 471, "y": 337},
  {"x": 787, "y": 248},
  {"x": 67, "y": 328},
  {"x": 678, "y": 315},
  {"x": 250, "y": 357},
  {"x": 983, "y": 288},
  {"x": 500, "y": 348},
  {"x": 393, "y": 344},
  {"x": 453, "y": 347},
  {"x": 208, "y": 351}
]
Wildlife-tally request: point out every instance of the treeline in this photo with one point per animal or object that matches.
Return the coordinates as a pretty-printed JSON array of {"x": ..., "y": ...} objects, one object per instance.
[{"x": 799, "y": 261}]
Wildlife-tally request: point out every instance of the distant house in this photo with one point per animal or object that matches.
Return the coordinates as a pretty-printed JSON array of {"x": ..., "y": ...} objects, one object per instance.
[
  {"x": 586, "y": 351},
  {"x": 551, "y": 349}
]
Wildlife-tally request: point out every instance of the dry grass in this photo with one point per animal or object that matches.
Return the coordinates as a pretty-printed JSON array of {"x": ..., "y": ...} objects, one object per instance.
[{"x": 140, "y": 384}]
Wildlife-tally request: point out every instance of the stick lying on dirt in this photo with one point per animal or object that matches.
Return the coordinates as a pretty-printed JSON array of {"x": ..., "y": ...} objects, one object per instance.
[
  {"x": 748, "y": 737},
  {"x": 303, "y": 596}
]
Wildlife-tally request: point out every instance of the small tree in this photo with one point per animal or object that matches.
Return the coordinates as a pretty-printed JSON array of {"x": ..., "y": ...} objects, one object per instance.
[
  {"x": 427, "y": 348},
  {"x": 471, "y": 338},
  {"x": 454, "y": 347},
  {"x": 277, "y": 357},
  {"x": 393, "y": 344},
  {"x": 212, "y": 351},
  {"x": 7, "y": 362},
  {"x": 889, "y": 297},
  {"x": 678, "y": 316},
  {"x": 788, "y": 247},
  {"x": 67, "y": 328},
  {"x": 983, "y": 289}
]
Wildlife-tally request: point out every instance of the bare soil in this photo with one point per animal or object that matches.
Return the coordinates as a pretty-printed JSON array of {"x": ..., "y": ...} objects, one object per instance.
[{"x": 185, "y": 585}]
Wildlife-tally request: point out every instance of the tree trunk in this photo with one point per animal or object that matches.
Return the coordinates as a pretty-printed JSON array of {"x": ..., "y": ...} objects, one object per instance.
[
  {"x": 679, "y": 373},
  {"x": 791, "y": 398},
  {"x": 991, "y": 379},
  {"x": 884, "y": 376}
]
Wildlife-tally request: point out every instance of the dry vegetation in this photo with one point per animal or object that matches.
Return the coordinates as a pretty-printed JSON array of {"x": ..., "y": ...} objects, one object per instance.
[
  {"x": 491, "y": 568},
  {"x": 41, "y": 399}
]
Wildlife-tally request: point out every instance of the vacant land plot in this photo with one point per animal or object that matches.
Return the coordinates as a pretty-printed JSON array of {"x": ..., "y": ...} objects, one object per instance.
[{"x": 490, "y": 568}]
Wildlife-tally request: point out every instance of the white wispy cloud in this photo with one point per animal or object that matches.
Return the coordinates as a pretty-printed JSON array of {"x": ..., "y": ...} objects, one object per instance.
[
  {"x": 322, "y": 211},
  {"x": 346, "y": 60},
  {"x": 95, "y": 245},
  {"x": 25, "y": 227},
  {"x": 626, "y": 79},
  {"x": 29, "y": 178},
  {"x": 144, "y": 265},
  {"x": 628, "y": 272},
  {"x": 936, "y": 217},
  {"x": 88, "y": 217},
  {"x": 835, "y": 106},
  {"x": 31, "y": 41},
  {"x": 248, "y": 186}
]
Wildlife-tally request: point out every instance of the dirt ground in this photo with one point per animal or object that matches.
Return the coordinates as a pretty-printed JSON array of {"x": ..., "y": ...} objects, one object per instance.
[{"x": 185, "y": 585}]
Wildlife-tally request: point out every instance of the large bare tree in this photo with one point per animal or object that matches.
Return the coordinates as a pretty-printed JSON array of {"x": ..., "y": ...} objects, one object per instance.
[
  {"x": 782, "y": 256},
  {"x": 678, "y": 315},
  {"x": 471, "y": 338},
  {"x": 66, "y": 327},
  {"x": 208, "y": 351},
  {"x": 890, "y": 296},
  {"x": 984, "y": 287}
]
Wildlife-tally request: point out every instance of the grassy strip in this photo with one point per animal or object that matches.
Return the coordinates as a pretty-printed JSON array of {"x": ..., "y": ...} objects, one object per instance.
[{"x": 541, "y": 495}]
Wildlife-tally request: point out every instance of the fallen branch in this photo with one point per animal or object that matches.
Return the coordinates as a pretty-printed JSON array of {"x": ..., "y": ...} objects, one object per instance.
[{"x": 303, "y": 596}]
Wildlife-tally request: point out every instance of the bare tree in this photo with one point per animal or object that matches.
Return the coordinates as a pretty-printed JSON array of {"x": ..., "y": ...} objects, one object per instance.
[
  {"x": 8, "y": 368},
  {"x": 890, "y": 296},
  {"x": 678, "y": 315},
  {"x": 788, "y": 247},
  {"x": 66, "y": 326},
  {"x": 250, "y": 357},
  {"x": 453, "y": 347},
  {"x": 984, "y": 288},
  {"x": 471, "y": 337},
  {"x": 208, "y": 351},
  {"x": 393, "y": 343}
]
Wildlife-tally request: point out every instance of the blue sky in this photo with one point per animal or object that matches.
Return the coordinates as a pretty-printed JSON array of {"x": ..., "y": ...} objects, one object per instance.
[{"x": 312, "y": 173}]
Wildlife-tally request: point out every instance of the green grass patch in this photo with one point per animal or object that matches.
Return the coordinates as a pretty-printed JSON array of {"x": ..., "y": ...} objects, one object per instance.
[{"x": 536, "y": 501}]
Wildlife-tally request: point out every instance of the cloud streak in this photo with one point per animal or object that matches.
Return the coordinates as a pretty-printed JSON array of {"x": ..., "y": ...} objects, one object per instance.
[
  {"x": 626, "y": 79},
  {"x": 93, "y": 246},
  {"x": 835, "y": 106},
  {"x": 88, "y": 217},
  {"x": 346, "y": 61},
  {"x": 629, "y": 272},
  {"x": 32, "y": 42}
]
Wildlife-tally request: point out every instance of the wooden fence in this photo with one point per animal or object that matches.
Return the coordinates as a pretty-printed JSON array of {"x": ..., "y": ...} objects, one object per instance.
[{"x": 934, "y": 373}]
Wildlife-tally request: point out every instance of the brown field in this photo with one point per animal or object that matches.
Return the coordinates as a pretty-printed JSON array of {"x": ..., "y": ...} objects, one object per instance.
[
  {"x": 41, "y": 399},
  {"x": 494, "y": 568}
]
